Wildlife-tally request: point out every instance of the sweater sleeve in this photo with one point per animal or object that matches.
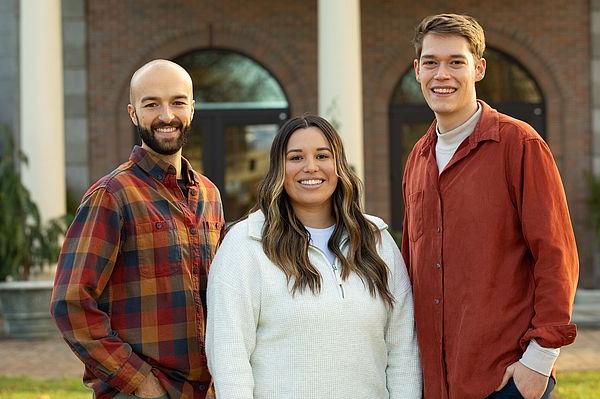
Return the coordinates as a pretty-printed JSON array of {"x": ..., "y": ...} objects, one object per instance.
[
  {"x": 403, "y": 373},
  {"x": 547, "y": 229},
  {"x": 233, "y": 300}
]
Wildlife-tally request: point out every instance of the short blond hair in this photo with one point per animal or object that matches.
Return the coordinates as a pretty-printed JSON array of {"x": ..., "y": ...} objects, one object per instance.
[{"x": 451, "y": 24}]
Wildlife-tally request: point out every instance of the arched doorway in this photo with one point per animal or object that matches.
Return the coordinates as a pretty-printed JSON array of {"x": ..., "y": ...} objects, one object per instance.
[
  {"x": 507, "y": 86},
  {"x": 239, "y": 108}
]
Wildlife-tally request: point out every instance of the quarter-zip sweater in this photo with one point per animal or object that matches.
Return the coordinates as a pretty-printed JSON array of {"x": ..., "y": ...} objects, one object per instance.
[
  {"x": 491, "y": 255},
  {"x": 263, "y": 342}
]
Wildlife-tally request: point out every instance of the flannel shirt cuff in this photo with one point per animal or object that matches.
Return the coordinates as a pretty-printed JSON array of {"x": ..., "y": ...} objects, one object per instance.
[
  {"x": 130, "y": 375},
  {"x": 539, "y": 359}
]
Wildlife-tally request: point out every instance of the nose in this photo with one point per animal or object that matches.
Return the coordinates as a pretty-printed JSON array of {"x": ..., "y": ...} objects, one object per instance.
[
  {"x": 311, "y": 165},
  {"x": 166, "y": 115},
  {"x": 442, "y": 72}
]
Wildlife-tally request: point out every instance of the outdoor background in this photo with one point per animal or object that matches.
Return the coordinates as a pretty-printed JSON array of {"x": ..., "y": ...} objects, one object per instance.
[{"x": 65, "y": 68}]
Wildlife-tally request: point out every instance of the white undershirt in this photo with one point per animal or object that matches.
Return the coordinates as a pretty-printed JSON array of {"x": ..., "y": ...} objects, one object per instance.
[
  {"x": 448, "y": 142},
  {"x": 319, "y": 238}
]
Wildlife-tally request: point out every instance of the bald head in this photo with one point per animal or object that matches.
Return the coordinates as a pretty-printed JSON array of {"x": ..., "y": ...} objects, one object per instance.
[
  {"x": 154, "y": 71},
  {"x": 162, "y": 106}
]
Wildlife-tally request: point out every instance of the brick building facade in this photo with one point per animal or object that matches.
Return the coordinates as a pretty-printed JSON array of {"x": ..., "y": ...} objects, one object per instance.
[{"x": 104, "y": 42}]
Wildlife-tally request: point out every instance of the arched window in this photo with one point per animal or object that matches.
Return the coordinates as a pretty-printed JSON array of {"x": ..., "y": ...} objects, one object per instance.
[
  {"x": 239, "y": 108},
  {"x": 507, "y": 86}
]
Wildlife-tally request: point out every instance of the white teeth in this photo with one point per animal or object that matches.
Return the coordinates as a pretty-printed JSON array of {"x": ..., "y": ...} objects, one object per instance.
[
  {"x": 166, "y": 129},
  {"x": 440, "y": 90},
  {"x": 311, "y": 182}
]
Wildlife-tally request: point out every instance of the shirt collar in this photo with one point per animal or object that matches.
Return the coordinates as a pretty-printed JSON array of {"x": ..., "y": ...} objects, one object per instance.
[
  {"x": 159, "y": 169},
  {"x": 487, "y": 128}
]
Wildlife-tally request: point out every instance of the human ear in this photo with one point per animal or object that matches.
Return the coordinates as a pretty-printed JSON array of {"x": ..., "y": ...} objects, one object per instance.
[
  {"x": 416, "y": 67},
  {"x": 132, "y": 114},
  {"x": 480, "y": 69}
]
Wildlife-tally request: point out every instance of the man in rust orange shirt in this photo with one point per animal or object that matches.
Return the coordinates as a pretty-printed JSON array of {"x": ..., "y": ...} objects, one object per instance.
[{"x": 487, "y": 235}]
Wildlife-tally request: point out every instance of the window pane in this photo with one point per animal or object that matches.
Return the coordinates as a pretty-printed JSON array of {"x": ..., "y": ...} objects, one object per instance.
[
  {"x": 246, "y": 162},
  {"x": 192, "y": 150},
  {"x": 224, "y": 79}
]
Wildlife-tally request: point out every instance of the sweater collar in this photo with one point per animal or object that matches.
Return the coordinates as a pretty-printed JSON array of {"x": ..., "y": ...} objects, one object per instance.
[{"x": 256, "y": 220}]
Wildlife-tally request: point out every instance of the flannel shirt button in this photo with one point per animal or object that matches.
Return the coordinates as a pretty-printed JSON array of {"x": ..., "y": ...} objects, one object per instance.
[
  {"x": 193, "y": 192},
  {"x": 158, "y": 225},
  {"x": 193, "y": 231}
]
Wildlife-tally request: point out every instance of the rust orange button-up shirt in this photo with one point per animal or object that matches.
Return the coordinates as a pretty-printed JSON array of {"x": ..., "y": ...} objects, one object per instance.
[{"x": 491, "y": 254}]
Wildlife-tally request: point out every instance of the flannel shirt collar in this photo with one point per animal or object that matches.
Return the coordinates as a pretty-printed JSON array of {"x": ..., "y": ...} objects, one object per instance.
[{"x": 159, "y": 169}]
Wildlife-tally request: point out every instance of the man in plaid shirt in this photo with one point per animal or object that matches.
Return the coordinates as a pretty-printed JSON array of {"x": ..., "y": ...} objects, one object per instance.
[{"x": 127, "y": 293}]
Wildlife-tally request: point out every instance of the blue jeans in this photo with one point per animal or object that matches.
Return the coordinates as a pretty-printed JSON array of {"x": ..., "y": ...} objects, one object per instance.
[{"x": 510, "y": 391}]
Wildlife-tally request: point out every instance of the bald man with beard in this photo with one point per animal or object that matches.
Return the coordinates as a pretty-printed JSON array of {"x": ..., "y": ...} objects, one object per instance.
[{"x": 129, "y": 288}]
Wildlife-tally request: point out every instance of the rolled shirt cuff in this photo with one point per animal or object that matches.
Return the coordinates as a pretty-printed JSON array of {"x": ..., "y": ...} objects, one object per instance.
[{"x": 539, "y": 359}]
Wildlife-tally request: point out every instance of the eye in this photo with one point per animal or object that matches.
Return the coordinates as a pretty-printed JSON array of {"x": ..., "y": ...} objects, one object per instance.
[
  {"x": 179, "y": 103},
  {"x": 428, "y": 63},
  {"x": 323, "y": 155},
  {"x": 150, "y": 105},
  {"x": 294, "y": 158},
  {"x": 457, "y": 62}
]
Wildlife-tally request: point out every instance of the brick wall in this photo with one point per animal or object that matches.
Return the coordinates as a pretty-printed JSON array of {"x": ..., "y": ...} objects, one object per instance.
[
  {"x": 551, "y": 39},
  {"x": 122, "y": 35}
]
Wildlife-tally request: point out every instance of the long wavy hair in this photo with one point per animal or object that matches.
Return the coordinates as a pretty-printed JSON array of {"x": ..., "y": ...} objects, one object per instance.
[{"x": 285, "y": 240}]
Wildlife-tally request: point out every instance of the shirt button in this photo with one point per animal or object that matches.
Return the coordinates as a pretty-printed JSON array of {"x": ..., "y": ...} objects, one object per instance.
[
  {"x": 437, "y": 301},
  {"x": 193, "y": 192},
  {"x": 158, "y": 225},
  {"x": 439, "y": 229},
  {"x": 193, "y": 231},
  {"x": 438, "y": 266}
]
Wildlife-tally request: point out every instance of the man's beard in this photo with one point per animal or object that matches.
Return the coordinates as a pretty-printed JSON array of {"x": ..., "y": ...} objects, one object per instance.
[{"x": 164, "y": 147}]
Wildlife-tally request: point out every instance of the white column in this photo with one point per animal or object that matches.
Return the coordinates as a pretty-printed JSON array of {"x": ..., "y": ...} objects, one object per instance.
[
  {"x": 41, "y": 99},
  {"x": 340, "y": 74}
]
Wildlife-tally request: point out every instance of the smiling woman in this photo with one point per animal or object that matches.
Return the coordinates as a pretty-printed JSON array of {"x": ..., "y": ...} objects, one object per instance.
[{"x": 303, "y": 264}]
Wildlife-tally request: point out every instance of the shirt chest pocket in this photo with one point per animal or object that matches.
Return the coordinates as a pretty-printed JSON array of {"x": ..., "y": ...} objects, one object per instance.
[
  {"x": 414, "y": 210},
  {"x": 212, "y": 236},
  {"x": 158, "y": 247}
]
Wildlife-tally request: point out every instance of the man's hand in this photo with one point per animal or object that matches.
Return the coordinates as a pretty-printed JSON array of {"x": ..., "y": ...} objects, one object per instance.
[
  {"x": 531, "y": 384},
  {"x": 150, "y": 388}
]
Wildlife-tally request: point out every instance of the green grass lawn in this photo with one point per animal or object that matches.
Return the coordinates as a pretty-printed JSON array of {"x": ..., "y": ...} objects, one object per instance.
[
  {"x": 571, "y": 385},
  {"x": 578, "y": 385},
  {"x": 28, "y": 388}
]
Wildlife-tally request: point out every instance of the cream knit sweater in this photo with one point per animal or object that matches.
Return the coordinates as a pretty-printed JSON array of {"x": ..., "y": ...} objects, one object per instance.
[{"x": 262, "y": 342}]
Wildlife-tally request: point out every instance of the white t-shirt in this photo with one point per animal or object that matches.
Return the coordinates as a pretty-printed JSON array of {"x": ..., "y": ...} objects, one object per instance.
[{"x": 319, "y": 238}]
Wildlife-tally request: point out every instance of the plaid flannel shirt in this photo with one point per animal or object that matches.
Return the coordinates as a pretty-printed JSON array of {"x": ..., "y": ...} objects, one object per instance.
[{"x": 128, "y": 287}]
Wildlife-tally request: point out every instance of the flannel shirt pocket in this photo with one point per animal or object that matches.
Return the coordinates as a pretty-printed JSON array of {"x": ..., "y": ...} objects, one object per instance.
[{"x": 159, "y": 248}]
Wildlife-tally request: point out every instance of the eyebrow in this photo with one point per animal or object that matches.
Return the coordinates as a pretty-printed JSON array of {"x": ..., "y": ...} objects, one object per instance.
[
  {"x": 318, "y": 149},
  {"x": 155, "y": 98},
  {"x": 431, "y": 56}
]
